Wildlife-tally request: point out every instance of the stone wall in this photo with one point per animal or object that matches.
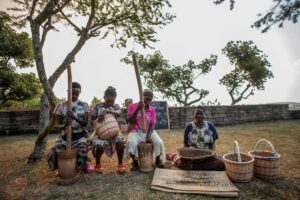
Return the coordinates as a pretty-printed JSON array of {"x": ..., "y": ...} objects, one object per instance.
[
  {"x": 19, "y": 122},
  {"x": 229, "y": 115},
  {"x": 22, "y": 122}
]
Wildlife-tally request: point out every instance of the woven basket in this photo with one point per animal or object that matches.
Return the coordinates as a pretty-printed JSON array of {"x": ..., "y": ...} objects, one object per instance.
[
  {"x": 195, "y": 154},
  {"x": 266, "y": 164},
  {"x": 239, "y": 166},
  {"x": 109, "y": 128}
]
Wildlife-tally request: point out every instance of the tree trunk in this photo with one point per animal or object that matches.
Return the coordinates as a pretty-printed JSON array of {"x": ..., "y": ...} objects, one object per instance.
[
  {"x": 41, "y": 141},
  {"x": 46, "y": 121}
]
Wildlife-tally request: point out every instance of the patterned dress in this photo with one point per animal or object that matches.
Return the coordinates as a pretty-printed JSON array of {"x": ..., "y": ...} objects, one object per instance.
[
  {"x": 201, "y": 138},
  {"x": 79, "y": 134},
  {"x": 109, "y": 146}
]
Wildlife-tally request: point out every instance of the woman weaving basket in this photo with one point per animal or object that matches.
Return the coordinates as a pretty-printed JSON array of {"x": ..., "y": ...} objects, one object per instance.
[
  {"x": 115, "y": 142},
  {"x": 199, "y": 134}
]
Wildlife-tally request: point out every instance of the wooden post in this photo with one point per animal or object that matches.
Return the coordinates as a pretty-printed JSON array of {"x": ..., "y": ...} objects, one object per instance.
[
  {"x": 66, "y": 159},
  {"x": 69, "y": 128},
  {"x": 138, "y": 78}
]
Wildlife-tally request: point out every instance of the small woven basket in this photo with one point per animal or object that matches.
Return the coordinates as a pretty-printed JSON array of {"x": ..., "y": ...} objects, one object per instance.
[
  {"x": 266, "y": 164},
  {"x": 109, "y": 128},
  {"x": 239, "y": 166}
]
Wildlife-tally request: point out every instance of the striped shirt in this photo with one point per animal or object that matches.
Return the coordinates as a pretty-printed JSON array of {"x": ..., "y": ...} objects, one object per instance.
[{"x": 79, "y": 109}]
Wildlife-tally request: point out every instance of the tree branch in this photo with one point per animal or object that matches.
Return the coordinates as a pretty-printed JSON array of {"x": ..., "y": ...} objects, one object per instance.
[
  {"x": 70, "y": 22},
  {"x": 49, "y": 11},
  {"x": 48, "y": 26},
  {"x": 71, "y": 56},
  {"x": 32, "y": 9},
  {"x": 100, "y": 25}
]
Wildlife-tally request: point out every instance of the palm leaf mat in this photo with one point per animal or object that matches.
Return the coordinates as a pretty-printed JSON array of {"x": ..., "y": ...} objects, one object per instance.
[{"x": 194, "y": 182}]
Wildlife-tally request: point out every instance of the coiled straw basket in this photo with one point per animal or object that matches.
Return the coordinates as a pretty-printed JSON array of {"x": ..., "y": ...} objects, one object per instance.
[
  {"x": 239, "y": 166},
  {"x": 266, "y": 164},
  {"x": 109, "y": 128}
]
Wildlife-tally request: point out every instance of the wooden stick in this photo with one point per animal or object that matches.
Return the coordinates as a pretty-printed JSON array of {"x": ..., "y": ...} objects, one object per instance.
[
  {"x": 138, "y": 78},
  {"x": 69, "y": 128}
]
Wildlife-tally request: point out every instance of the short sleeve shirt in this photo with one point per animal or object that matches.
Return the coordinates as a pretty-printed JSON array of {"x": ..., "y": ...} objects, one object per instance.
[
  {"x": 150, "y": 116},
  {"x": 98, "y": 108},
  {"x": 79, "y": 109}
]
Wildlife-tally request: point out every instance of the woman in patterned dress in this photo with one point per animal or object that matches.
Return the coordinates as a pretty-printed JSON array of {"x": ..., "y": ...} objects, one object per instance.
[
  {"x": 114, "y": 144},
  {"x": 78, "y": 119},
  {"x": 200, "y": 134}
]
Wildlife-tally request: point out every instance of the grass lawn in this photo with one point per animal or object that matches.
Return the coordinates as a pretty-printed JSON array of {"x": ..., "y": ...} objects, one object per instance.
[{"x": 21, "y": 181}]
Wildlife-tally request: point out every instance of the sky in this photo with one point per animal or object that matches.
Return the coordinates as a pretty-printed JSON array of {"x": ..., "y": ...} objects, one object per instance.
[{"x": 200, "y": 29}]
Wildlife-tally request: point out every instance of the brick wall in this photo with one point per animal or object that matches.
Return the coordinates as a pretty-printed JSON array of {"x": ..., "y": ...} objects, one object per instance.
[{"x": 19, "y": 122}]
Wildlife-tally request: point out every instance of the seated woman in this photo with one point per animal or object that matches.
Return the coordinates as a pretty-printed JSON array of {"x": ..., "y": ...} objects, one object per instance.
[
  {"x": 78, "y": 119},
  {"x": 200, "y": 134},
  {"x": 116, "y": 143},
  {"x": 136, "y": 136}
]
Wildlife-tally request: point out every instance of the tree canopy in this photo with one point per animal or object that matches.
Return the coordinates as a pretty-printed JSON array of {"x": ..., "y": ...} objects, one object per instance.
[
  {"x": 174, "y": 82},
  {"x": 15, "y": 52},
  {"x": 281, "y": 11},
  {"x": 250, "y": 71},
  {"x": 122, "y": 20}
]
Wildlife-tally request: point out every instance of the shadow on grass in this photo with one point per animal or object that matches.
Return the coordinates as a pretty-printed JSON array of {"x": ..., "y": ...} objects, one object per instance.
[{"x": 280, "y": 188}]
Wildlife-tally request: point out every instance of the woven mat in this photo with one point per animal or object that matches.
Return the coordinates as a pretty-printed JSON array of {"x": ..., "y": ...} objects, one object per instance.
[{"x": 194, "y": 182}]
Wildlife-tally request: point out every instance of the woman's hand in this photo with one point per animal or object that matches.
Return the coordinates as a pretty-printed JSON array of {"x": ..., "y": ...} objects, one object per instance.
[
  {"x": 68, "y": 121},
  {"x": 70, "y": 114},
  {"x": 141, "y": 105},
  {"x": 101, "y": 114}
]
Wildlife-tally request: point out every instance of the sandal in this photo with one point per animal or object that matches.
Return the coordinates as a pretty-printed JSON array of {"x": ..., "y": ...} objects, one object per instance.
[
  {"x": 121, "y": 168},
  {"x": 99, "y": 169},
  {"x": 134, "y": 168},
  {"x": 87, "y": 168}
]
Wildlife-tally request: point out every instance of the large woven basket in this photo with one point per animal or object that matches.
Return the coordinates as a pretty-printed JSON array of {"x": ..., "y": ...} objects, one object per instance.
[
  {"x": 109, "y": 128},
  {"x": 266, "y": 164},
  {"x": 239, "y": 166},
  {"x": 195, "y": 154}
]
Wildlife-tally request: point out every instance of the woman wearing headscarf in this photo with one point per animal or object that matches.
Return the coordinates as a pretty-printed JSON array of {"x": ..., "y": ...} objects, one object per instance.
[
  {"x": 114, "y": 144},
  {"x": 137, "y": 135},
  {"x": 78, "y": 119}
]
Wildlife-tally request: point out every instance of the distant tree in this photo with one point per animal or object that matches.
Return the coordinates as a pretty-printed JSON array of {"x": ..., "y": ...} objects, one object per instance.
[
  {"x": 95, "y": 101},
  {"x": 281, "y": 11},
  {"x": 151, "y": 67},
  {"x": 18, "y": 87},
  {"x": 122, "y": 20},
  {"x": 250, "y": 71},
  {"x": 15, "y": 52},
  {"x": 174, "y": 82},
  {"x": 211, "y": 103}
]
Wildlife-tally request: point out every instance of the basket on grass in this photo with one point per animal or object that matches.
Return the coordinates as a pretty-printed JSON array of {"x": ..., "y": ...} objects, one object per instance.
[
  {"x": 239, "y": 166},
  {"x": 108, "y": 128},
  {"x": 195, "y": 154},
  {"x": 266, "y": 164}
]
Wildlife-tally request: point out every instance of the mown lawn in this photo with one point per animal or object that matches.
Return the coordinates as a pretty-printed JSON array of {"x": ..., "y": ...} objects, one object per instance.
[{"x": 21, "y": 181}]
